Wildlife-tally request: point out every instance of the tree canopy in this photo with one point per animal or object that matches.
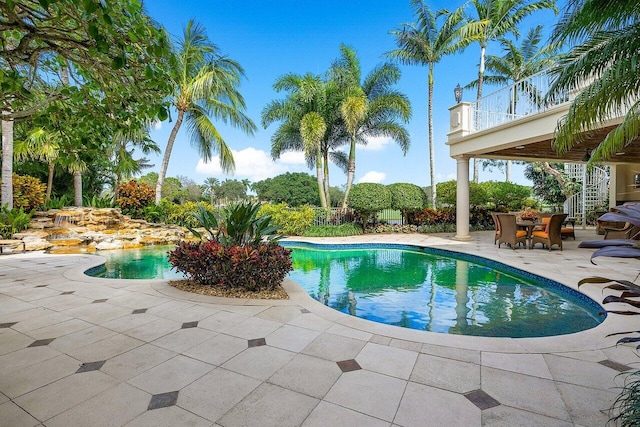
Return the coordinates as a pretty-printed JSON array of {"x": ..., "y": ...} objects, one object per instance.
[{"x": 294, "y": 189}]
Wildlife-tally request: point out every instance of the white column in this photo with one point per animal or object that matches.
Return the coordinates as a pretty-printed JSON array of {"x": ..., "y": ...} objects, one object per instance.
[{"x": 462, "y": 200}]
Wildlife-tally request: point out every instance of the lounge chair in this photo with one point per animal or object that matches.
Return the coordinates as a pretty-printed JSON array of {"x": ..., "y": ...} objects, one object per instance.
[
  {"x": 627, "y": 231},
  {"x": 551, "y": 235},
  {"x": 509, "y": 232}
]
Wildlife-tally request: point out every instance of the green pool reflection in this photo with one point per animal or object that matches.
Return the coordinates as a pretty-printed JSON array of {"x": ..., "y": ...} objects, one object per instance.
[{"x": 416, "y": 290}]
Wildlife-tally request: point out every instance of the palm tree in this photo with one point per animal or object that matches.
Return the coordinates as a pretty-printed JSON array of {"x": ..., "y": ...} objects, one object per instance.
[
  {"x": 204, "y": 84},
  {"x": 43, "y": 145},
  {"x": 426, "y": 43},
  {"x": 517, "y": 63},
  {"x": 6, "y": 193},
  {"x": 604, "y": 58},
  {"x": 371, "y": 107},
  {"x": 311, "y": 123},
  {"x": 500, "y": 17},
  {"x": 212, "y": 185},
  {"x": 121, "y": 151}
]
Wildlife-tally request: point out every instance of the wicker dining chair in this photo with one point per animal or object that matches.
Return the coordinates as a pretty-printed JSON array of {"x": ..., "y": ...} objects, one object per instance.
[
  {"x": 551, "y": 235},
  {"x": 509, "y": 232}
]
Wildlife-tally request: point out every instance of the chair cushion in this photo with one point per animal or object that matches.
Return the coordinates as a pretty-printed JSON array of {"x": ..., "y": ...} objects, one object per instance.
[
  {"x": 520, "y": 233},
  {"x": 542, "y": 234},
  {"x": 567, "y": 230}
]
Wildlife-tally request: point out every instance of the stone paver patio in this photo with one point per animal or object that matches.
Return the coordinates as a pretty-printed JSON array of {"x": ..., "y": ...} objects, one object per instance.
[{"x": 80, "y": 351}]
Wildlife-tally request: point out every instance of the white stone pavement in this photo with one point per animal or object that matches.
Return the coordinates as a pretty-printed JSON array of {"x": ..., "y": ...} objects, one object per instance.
[{"x": 81, "y": 351}]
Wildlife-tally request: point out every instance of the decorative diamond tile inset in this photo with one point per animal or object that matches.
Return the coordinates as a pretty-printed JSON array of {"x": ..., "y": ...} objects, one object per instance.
[
  {"x": 67, "y": 293},
  {"x": 90, "y": 366},
  {"x": 139, "y": 311},
  {"x": 7, "y": 325},
  {"x": 348, "y": 365},
  {"x": 615, "y": 365},
  {"x": 99, "y": 300},
  {"x": 188, "y": 325},
  {"x": 481, "y": 399},
  {"x": 304, "y": 311},
  {"x": 163, "y": 400},
  {"x": 257, "y": 342},
  {"x": 39, "y": 343}
]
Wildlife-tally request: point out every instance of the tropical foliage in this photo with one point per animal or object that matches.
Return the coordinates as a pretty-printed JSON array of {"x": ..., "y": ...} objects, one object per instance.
[
  {"x": 290, "y": 221},
  {"x": 239, "y": 250},
  {"x": 604, "y": 61},
  {"x": 28, "y": 192},
  {"x": 13, "y": 221}
]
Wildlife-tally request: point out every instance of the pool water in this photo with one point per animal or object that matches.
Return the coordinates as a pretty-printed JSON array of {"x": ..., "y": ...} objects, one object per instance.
[{"x": 411, "y": 287}]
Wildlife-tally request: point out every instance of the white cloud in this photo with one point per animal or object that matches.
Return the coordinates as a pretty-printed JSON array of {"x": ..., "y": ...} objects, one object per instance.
[
  {"x": 254, "y": 164},
  {"x": 293, "y": 158},
  {"x": 376, "y": 143},
  {"x": 442, "y": 178},
  {"x": 373, "y": 176},
  {"x": 157, "y": 125}
]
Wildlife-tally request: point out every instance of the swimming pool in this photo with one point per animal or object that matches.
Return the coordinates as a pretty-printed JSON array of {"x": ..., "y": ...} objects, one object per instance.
[{"x": 412, "y": 287}]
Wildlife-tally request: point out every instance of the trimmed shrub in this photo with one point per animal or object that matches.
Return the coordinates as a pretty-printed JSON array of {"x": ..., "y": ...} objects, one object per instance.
[
  {"x": 134, "y": 196},
  {"x": 347, "y": 229},
  {"x": 28, "y": 192},
  {"x": 369, "y": 198},
  {"x": 290, "y": 221},
  {"x": 250, "y": 268},
  {"x": 506, "y": 196},
  {"x": 407, "y": 198},
  {"x": 391, "y": 228},
  {"x": 446, "y": 193}
]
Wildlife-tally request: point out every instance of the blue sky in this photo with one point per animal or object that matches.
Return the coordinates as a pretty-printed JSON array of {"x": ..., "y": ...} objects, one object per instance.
[{"x": 272, "y": 38}]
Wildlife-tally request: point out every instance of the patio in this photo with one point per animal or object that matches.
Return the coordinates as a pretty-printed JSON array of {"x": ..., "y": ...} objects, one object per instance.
[{"x": 80, "y": 351}]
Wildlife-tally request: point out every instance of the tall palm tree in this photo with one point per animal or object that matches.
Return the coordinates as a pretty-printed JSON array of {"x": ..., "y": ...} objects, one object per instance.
[
  {"x": 310, "y": 122},
  {"x": 500, "y": 17},
  {"x": 213, "y": 185},
  {"x": 517, "y": 63},
  {"x": 205, "y": 83},
  {"x": 604, "y": 57},
  {"x": 424, "y": 42},
  {"x": 371, "y": 107}
]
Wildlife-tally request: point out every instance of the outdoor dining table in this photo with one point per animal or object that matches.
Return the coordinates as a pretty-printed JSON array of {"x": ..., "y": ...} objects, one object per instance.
[{"x": 529, "y": 225}]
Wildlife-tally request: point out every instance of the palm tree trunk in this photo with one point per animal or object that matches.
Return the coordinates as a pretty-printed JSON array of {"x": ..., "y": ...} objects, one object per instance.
[
  {"x": 52, "y": 168},
  {"x": 167, "y": 155},
  {"x": 432, "y": 160},
  {"x": 351, "y": 171},
  {"x": 77, "y": 189},
  {"x": 326, "y": 180},
  {"x": 476, "y": 162},
  {"x": 7, "y": 160},
  {"x": 323, "y": 199}
]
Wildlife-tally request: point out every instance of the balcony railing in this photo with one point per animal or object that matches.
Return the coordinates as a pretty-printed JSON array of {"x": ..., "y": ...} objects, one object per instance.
[{"x": 524, "y": 97}]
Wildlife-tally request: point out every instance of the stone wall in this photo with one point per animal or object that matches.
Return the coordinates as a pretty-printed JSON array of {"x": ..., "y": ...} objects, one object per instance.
[{"x": 91, "y": 229}]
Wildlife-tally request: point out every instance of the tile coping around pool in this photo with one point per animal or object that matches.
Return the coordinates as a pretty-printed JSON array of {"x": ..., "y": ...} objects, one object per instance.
[{"x": 591, "y": 339}]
